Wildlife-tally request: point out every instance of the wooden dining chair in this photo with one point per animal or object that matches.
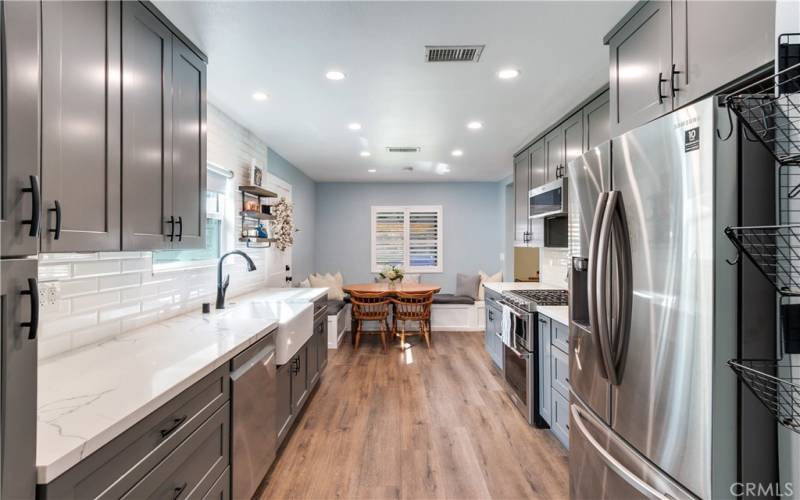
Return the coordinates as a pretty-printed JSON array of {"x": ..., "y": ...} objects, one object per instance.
[
  {"x": 370, "y": 307},
  {"x": 412, "y": 307}
]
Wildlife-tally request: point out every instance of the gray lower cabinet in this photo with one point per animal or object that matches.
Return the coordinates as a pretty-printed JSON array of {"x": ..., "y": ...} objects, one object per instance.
[
  {"x": 163, "y": 136},
  {"x": 81, "y": 124},
  {"x": 596, "y": 121},
  {"x": 220, "y": 490},
  {"x": 20, "y": 128},
  {"x": 318, "y": 348},
  {"x": 544, "y": 378},
  {"x": 18, "y": 377},
  {"x": 559, "y": 424},
  {"x": 493, "y": 340},
  {"x": 296, "y": 380},
  {"x": 179, "y": 450}
]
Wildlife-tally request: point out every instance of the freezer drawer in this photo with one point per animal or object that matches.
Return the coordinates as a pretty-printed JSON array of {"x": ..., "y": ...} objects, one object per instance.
[{"x": 602, "y": 466}]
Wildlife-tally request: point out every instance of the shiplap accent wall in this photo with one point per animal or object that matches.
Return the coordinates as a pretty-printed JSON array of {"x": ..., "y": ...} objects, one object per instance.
[{"x": 101, "y": 295}]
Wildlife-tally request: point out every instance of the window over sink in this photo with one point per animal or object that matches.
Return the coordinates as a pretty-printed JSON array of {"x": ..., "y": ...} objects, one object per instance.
[{"x": 407, "y": 236}]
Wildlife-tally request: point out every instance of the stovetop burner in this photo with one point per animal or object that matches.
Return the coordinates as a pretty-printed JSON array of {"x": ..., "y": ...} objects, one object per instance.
[{"x": 528, "y": 299}]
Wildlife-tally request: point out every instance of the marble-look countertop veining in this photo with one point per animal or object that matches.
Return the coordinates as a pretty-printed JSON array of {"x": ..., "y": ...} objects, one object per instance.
[
  {"x": 89, "y": 396},
  {"x": 522, "y": 285},
  {"x": 556, "y": 313}
]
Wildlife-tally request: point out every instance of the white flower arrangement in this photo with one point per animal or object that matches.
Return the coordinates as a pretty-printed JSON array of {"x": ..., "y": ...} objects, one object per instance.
[
  {"x": 392, "y": 273},
  {"x": 284, "y": 224}
]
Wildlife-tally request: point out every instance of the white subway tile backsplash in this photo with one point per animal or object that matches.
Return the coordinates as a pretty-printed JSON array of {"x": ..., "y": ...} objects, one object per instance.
[
  {"x": 66, "y": 257},
  {"x": 70, "y": 288},
  {"x": 49, "y": 347},
  {"x": 92, "y": 335},
  {"x": 145, "y": 291},
  {"x": 98, "y": 268},
  {"x": 120, "y": 311},
  {"x": 116, "y": 282},
  {"x": 96, "y": 301},
  {"x": 54, "y": 326},
  {"x": 136, "y": 265},
  {"x": 54, "y": 272},
  {"x": 118, "y": 255}
]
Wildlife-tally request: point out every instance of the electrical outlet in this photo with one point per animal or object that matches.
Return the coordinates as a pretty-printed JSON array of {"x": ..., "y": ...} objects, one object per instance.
[{"x": 48, "y": 295}]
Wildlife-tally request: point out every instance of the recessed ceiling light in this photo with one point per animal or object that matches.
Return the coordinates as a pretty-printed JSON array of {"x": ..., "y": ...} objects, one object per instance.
[
  {"x": 475, "y": 125},
  {"x": 334, "y": 75},
  {"x": 354, "y": 126},
  {"x": 365, "y": 154},
  {"x": 457, "y": 152},
  {"x": 260, "y": 96},
  {"x": 507, "y": 74},
  {"x": 372, "y": 170}
]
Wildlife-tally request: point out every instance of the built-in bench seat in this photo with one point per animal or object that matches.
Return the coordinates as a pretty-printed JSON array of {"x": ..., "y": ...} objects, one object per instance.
[{"x": 449, "y": 298}]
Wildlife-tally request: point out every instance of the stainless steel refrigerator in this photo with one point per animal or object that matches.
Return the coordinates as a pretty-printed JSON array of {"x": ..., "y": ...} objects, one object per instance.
[
  {"x": 653, "y": 311},
  {"x": 19, "y": 243}
]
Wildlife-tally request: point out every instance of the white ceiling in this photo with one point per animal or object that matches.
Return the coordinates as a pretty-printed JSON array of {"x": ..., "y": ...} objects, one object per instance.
[{"x": 285, "y": 48}]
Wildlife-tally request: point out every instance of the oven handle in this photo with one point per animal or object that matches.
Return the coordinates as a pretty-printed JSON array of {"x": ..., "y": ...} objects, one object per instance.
[
  {"x": 511, "y": 308},
  {"x": 519, "y": 354}
]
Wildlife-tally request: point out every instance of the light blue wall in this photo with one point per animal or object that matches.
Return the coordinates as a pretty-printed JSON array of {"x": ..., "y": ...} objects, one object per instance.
[
  {"x": 304, "y": 198},
  {"x": 472, "y": 226}
]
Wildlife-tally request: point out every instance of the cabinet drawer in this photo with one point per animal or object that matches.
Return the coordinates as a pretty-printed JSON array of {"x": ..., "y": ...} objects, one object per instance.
[
  {"x": 193, "y": 468},
  {"x": 560, "y": 368},
  {"x": 115, "y": 468},
  {"x": 560, "y": 335},
  {"x": 559, "y": 423},
  {"x": 221, "y": 489}
]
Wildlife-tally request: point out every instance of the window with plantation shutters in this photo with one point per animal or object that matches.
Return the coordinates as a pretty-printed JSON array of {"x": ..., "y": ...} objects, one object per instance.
[{"x": 407, "y": 236}]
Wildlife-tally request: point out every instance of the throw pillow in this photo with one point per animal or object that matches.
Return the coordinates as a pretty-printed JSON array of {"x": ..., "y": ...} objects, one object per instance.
[
  {"x": 330, "y": 282},
  {"x": 485, "y": 278},
  {"x": 467, "y": 284},
  {"x": 305, "y": 283}
]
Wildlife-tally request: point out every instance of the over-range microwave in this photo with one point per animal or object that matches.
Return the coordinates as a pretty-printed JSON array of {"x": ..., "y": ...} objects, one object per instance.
[{"x": 548, "y": 200}]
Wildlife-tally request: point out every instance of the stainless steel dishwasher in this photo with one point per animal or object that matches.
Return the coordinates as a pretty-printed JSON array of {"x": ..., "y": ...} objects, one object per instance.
[{"x": 253, "y": 394}]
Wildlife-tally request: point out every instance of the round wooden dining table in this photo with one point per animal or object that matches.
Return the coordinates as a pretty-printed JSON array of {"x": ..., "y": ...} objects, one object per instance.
[{"x": 387, "y": 291}]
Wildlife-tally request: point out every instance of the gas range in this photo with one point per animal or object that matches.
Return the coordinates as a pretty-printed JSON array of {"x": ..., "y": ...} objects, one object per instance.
[{"x": 527, "y": 300}]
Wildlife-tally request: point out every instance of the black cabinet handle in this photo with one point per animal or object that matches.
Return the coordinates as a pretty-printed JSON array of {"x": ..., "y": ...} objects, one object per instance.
[
  {"x": 180, "y": 228},
  {"x": 176, "y": 422},
  {"x": 672, "y": 85},
  {"x": 171, "y": 223},
  {"x": 33, "y": 293},
  {"x": 35, "y": 206},
  {"x": 661, "y": 81},
  {"x": 57, "y": 210},
  {"x": 179, "y": 490}
]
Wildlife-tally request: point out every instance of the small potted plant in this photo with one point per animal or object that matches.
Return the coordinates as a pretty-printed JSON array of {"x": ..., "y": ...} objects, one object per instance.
[{"x": 392, "y": 273}]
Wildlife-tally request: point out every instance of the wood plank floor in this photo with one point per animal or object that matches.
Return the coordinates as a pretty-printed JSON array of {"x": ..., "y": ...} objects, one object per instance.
[{"x": 416, "y": 424}]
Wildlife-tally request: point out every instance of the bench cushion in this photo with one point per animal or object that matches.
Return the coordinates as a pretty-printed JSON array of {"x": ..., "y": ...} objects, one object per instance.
[
  {"x": 449, "y": 298},
  {"x": 334, "y": 306}
]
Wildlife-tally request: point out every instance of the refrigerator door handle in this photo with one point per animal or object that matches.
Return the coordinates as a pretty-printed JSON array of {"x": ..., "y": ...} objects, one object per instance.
[
  {"x": 604, "y": 324},
  {"x": 592, "y": 277},
  {"x": 612, "y": 463},
  {"x": 624, "y": 289}
]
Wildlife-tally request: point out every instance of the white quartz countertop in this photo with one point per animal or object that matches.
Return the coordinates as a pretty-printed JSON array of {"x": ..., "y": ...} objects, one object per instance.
[
  {"x": 556, "y": 313},
  {"x": 522, "y": 285},
  {"x": 88, "y": 397}
]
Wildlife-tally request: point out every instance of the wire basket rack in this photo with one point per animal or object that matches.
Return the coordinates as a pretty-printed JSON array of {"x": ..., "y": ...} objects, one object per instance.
[
  {"x": 770, "y": 111},
  {"x": 775, "y": 251},
  {"x": 776, "y": 384}
]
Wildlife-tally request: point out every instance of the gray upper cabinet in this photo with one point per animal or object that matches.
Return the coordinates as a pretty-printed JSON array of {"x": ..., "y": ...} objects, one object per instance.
[
  {"x": 716, "y": 42},
  {"x": 596, "y": 122},
  {"x": 521, "y": 179},
  {"x": 538, "y": 175},
  {"x": 553, "y": 155},
  {"x": 188, "y": 146},
  {"x": 573, "y": 140},
  {"x": 19, "y": 127},
  {"x": 163, "y": 136},
  {"x": 81, "y": 126},
  {"x": 641, "y": 65},
  {"x": 147, "y": 219},
  {"x": 17, "y": 310}
]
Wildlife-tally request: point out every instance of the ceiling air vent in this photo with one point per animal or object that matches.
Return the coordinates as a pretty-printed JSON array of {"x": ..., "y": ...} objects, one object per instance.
[
  {"x": 453, "y": 53},
  {"x": 402, "y": 149}
]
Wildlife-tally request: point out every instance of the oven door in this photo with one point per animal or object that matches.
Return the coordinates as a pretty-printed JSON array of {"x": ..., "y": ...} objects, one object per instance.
[{"x": 516, "y": 365}]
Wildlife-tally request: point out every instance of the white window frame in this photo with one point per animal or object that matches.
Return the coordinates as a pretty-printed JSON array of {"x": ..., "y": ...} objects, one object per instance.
[{"x": 407, "y": 209}]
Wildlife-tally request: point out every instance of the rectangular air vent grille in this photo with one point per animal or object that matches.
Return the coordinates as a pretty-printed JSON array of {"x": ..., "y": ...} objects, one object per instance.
[
  {"x": 402, "y": 149},
  {"x": 453, "y": 53}
]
